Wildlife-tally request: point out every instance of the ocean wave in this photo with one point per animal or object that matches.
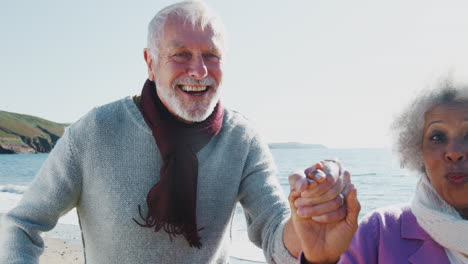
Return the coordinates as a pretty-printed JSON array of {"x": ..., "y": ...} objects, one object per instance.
[
  {"x": 11, "y": 188},
  {"x": 365, "y": 174},
  {"x": 238, "y": 260}
]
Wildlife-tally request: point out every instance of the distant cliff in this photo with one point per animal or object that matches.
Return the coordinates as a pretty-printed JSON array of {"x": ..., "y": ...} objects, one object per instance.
[
  {"x": 294, "y": 145},
  {"x": 27, "y": 134}
]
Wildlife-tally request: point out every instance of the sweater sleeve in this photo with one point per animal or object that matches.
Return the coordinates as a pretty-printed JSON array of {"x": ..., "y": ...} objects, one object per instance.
[
  {"x": 54, "y": 191},
  {"x": 365, "y": 243},
  {"x": 265, "y": 207}
]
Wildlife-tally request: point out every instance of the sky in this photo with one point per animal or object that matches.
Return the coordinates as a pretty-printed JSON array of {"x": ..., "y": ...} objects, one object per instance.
[{"x": 324, "y": 72}]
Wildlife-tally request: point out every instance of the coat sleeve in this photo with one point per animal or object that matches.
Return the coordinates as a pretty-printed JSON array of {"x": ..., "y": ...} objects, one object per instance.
[
  {"x": 54, "y": 191},
  {"x": 365, "y": 243},
  {"x": 265, "y": 207}
]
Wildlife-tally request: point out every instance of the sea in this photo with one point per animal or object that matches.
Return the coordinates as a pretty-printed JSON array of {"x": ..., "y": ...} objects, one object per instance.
[{"x": 375, "y": 173}]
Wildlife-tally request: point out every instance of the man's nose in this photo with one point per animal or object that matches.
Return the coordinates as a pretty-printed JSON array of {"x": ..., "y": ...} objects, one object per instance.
[
  {"x": 456, "y": 151},
  {"x": 197, "y": 68}
]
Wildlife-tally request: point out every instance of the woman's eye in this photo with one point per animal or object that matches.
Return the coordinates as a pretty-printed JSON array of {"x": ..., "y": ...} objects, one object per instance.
[{"x": 437, "y": 137}]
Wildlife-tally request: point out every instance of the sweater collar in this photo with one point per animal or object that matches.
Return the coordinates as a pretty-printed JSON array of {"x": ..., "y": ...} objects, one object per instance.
[{"x": 429, "y": 251}]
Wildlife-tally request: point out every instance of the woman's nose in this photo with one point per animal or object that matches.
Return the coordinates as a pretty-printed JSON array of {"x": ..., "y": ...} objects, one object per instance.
[{"x": 456, "y": 152}]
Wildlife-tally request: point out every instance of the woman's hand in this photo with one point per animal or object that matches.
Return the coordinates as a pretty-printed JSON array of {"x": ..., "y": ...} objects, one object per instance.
[{"x": 325, "y": 210}]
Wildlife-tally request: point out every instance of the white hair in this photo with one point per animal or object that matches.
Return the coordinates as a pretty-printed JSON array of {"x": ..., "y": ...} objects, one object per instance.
[
  {"x": 194, "y": 12},
  {"x": 409, "y": 125}
]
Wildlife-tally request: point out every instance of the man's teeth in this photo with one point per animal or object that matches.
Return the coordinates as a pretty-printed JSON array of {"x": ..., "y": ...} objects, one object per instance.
[{"x": 188, "y": 88}]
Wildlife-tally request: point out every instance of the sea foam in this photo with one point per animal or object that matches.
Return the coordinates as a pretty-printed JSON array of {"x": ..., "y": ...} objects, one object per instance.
[
  {"x": 10, "y": 195},
  {"x": 11, "y": 188}
]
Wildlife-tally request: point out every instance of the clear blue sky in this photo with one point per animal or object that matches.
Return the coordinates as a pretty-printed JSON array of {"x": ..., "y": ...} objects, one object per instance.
[{"x": 326, "y": 71}]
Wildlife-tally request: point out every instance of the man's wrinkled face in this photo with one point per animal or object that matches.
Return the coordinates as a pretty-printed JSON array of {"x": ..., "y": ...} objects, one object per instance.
[{"x": 188, "y": 70}]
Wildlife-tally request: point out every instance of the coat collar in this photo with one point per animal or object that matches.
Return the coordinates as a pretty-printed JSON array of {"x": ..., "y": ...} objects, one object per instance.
[{"x": 429, "y": 251}]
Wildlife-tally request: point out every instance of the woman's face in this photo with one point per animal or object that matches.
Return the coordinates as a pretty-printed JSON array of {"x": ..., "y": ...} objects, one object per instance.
[{"x": 445, "y": 150}]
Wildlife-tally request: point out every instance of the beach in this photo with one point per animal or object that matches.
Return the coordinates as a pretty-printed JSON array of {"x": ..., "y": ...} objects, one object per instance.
[{"x": 59, "y": 251}]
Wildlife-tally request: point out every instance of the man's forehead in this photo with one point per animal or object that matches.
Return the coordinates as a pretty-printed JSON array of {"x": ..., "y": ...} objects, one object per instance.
[
  {"x": 177, "y": 44},
  {"x": 178, "y": 37}
]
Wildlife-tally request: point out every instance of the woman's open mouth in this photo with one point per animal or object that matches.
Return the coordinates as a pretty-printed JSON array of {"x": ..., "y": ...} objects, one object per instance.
[{"x": 457, "y": 177}]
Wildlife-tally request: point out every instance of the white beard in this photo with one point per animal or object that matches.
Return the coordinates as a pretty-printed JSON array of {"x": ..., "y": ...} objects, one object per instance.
[{"x": 195, "y": 111}]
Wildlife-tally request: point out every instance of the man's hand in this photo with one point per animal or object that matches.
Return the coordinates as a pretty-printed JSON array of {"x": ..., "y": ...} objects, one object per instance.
[{"x": 323, "y": 224}]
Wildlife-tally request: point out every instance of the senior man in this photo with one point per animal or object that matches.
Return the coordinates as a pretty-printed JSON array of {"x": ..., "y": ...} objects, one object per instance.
[{"x": 155, "y": 178}]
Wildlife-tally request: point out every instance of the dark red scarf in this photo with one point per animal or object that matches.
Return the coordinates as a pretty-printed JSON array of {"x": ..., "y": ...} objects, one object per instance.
[{"x": 172, "y": 201}]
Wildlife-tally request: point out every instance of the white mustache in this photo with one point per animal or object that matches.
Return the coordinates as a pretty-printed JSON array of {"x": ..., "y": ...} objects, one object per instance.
[{"x": 207, "y": 81}]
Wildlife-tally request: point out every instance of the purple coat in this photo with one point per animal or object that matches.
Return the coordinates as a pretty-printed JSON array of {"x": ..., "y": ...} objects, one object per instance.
[{"x": 392, "y": 235}]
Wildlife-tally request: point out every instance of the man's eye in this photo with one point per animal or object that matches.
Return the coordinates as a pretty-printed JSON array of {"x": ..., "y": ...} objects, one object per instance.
[
  {"x": 211, "y": 57},
  {"x": 182, "y": 56}
]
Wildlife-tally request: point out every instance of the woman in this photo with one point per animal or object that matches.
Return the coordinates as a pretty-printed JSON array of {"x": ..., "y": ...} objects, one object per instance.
[{"x": 432, "y": 140}]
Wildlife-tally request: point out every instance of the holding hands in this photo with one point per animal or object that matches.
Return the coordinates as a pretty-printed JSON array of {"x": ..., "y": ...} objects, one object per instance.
[{"x": 324, "y": 210}]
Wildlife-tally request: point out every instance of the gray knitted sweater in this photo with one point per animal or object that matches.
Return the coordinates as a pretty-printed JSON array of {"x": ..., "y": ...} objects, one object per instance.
[{"x": 105, "y": 164}]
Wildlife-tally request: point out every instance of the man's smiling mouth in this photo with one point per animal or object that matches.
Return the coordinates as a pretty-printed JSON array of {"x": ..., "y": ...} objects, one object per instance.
[{"x": 194, "y": 90}]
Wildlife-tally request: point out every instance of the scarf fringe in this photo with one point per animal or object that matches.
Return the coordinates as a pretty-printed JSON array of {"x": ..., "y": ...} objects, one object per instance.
[{"x": 172, "y": 229}]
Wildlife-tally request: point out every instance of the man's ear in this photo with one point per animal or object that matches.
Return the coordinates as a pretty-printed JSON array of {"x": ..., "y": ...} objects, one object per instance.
[{"x": 149, "y": 63}]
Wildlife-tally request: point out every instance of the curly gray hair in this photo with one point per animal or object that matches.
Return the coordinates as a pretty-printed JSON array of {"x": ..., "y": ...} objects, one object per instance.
[
  {"x": 408, "y": 126},
  {"x": 194, "y": 12}
]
